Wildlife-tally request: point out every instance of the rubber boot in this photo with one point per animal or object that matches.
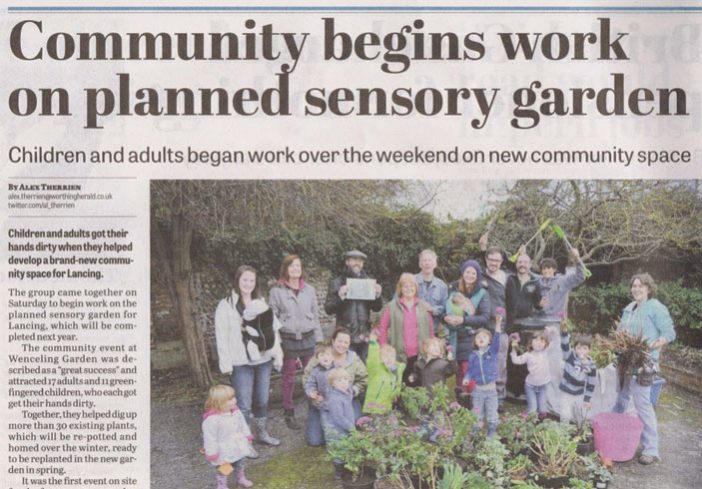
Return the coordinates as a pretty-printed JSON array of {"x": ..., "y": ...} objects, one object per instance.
[
  {"x": 290, "y": 420},
  {"x": 241, "y": 479},
  {"x": 262, "y": 434},
  {"x": 221, "y": 481},
  {"x": 492, "y": 428}
]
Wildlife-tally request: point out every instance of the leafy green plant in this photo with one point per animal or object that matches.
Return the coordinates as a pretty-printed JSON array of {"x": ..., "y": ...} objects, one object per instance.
[
  {"x": 594, "y": 469},
  {"x": 601, "y": 355},
  {"x": 555, "y": 450},
  {"x": 574, "y": 483},
  {"x": 453, "y": 478},
  {"x": 490, "y": 459},
  {"x": 356, "y": 450},
  {"x": 475, "y": 480},
  {"x": 518, "y": 467},
  {"x": 414, "y": 401},
  {"x": 516, "y": 431},
  {"x": 525, "y": 485}
]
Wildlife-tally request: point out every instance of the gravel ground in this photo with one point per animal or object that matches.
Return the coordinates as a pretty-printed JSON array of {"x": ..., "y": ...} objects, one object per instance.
[{"x": 176, "y": 439}]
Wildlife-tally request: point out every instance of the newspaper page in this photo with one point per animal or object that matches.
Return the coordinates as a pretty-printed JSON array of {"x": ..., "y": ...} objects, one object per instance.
[{"x": 150, "y": 148}]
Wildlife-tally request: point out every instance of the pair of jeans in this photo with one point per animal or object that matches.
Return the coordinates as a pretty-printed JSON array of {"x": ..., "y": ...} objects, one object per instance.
[
  {"x": 536, "y": 398},
  {"x": 251, "y": 384},
  {"x": 289, "y": 371},
  {"x": 314, "y": 430},
  {"x": 644, "y": 408},
  {"x": 485, "y": 404}
]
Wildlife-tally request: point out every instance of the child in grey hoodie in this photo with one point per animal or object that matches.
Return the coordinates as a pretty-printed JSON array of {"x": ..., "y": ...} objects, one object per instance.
[{"x": 338, "y": 418}]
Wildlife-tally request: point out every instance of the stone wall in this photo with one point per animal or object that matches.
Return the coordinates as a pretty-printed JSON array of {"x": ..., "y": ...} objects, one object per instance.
[{"x": 209, "y": 287}]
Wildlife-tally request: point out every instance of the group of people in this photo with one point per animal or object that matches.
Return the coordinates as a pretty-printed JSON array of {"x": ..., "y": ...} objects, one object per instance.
[{"x": 428, "y": 332}]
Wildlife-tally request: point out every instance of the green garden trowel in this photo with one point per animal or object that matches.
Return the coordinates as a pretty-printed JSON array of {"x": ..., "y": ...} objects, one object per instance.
[
  {"x": 561, "y": 234},
  {"x": 543, "y": 226}
]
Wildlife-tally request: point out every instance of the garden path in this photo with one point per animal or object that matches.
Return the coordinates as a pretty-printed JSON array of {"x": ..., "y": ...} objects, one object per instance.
[{"x": 176, "y": 438}]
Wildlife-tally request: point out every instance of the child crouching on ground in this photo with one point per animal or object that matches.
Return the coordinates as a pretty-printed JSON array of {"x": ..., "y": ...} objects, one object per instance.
[
  {"x": 384, "y": 377},
  {"x": 338, "y": 418},
  {"x": 316, "y": 387},
  {"x": 579, "y": 375},
  {"x": 481, "y": 376},
  {"x": 226, "y": 436},
  {"x": 539, "y": 376}
]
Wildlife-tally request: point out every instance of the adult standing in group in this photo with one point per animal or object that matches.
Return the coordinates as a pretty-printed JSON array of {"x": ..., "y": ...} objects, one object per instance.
[
  {"x": 432, "y": 289},
  {"x": 494, "y": 280},
  {"x": 522, "y": 300},
  {"x": 353, "y": 314},
  {"x": 522, "y": 293},
  {"x": 343, "y": 357},
  {"x": 248, "y": 358},
  {"x": 475, "y": 314},
  {"x": 649, "y": 319},
  {"x": 294, "y": 302},
  {"x": 405, "y": 323}
]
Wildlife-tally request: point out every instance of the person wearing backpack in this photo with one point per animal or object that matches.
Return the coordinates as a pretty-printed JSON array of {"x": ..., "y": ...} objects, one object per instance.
[{"x": 248, "y": 346}]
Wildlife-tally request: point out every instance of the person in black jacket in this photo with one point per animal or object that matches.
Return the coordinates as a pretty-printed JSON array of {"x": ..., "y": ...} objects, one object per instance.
[
  {"x": 522, "y": 293},
  {"x": 523, "y": 300},
  {"x": 352, "y": 313}
]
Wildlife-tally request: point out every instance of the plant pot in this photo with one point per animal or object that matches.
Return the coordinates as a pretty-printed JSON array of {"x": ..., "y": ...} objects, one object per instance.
[
  {"x": 365, "y": 481},
  {"x": 585, "y": 447},
  {"x": 554, "y": 482}
]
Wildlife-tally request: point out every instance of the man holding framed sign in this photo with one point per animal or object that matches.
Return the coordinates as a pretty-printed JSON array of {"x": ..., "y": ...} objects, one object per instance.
[{"x": 351, "y": 297}]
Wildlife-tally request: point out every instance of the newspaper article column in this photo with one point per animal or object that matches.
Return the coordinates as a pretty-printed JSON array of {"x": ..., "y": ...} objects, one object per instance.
[{"x": 75, "y": 319}]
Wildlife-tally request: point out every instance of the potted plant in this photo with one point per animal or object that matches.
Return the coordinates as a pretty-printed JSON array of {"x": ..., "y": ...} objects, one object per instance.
[
  {"x": 555, "y": 453},
  {"x": 356, "y": 451},
  {"x": 583, "y": 432},
  {"x": 596, "y": 471}
]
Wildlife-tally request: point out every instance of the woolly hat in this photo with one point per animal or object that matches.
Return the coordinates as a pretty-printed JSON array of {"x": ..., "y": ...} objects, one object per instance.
[
  {"x": 474, "y": 265},
  {"x": 254, "y": 309}
]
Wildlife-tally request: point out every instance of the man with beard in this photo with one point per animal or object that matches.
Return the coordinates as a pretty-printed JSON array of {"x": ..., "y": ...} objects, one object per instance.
[
  {"x": 522, "y": 300},
  {"x": 353, "y": 314}
]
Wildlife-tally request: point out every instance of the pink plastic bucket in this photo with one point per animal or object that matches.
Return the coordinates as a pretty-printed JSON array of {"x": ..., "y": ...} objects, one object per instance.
[{"x": 616, "y": 435}]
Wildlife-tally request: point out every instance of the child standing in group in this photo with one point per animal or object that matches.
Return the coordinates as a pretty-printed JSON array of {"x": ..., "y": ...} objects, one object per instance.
[
  {"x": 481, "y": 376},
  {"x": 316, "y": 387},
  {"x": 432, "y": 366},
  {"x": 226, "y": 436},
  {"x": 579, "y": 375},
  {"x": 338, "y": 418},
  {"x": 539, "y": 376},
  {"x": 384, "y": 377}
]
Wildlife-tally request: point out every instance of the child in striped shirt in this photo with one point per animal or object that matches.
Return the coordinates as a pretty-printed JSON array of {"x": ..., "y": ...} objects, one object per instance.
[{"x": 579, "y": 375}]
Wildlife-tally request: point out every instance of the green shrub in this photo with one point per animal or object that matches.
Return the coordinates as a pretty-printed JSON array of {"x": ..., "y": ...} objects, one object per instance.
[{"x": 596, "y": 309}]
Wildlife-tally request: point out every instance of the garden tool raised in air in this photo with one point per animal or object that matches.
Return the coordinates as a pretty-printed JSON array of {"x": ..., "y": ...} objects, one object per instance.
[
  {"x": 561, "y": 234},
  {"x": 543, "y": 226}
]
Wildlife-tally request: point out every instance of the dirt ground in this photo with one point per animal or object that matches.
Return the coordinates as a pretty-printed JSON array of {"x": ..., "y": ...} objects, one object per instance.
[{"x": 176, "y": 439}]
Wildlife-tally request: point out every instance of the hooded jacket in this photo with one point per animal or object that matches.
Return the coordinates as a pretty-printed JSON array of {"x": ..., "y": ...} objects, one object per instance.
[
  {"x": 383, "y": 384},
  {"x": 557, "y": 289}
]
